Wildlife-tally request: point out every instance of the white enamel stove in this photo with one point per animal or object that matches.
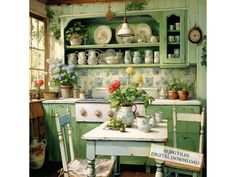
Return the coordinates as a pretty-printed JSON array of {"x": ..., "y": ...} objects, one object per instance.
[{"x": 98, "y": 110}]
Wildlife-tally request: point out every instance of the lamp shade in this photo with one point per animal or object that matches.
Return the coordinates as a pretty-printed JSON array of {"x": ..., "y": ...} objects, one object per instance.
[{"x": 125, "y": 30}]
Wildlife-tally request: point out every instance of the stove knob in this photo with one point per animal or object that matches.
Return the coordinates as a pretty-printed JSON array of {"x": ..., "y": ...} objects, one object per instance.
[
  {"x": 110, "y": 113},
  {"x": 83, "y": 112},
  {"x": 98, "y": 113}
]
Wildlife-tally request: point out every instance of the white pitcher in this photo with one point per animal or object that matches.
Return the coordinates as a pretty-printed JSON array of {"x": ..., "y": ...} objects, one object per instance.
[
  {"x": 143, "y": 123},
  {"x": 72, "y": 58},
  {"x": 93, "y": 56},
  {"x": 81, "y": 58}
]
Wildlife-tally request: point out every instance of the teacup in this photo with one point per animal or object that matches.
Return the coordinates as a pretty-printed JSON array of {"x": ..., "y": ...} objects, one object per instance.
[
  {"x": 158, "y": 116},
  {"x": 176, "y": 52},
  {"x": 170, "y": 55},
  {"x": 171, "y": 38},
  {"x": 143, "y": 123},
  {"x": 177, "y": 26},
  {"x": 177, "y": 38},
  {"x": 171, "y": 27}
]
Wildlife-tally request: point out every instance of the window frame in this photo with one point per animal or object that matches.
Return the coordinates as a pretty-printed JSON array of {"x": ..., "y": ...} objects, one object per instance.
[{"x": 46, "y": 47}]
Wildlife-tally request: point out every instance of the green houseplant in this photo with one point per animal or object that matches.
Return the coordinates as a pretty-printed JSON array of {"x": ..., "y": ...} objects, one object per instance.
[
  {"x": 172, "y": 87},
  {"x": 183, "y": 90},
  {"x": 76, "y": 33}
]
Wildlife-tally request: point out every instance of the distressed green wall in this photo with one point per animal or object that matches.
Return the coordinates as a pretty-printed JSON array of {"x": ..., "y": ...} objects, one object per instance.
[{"x": 196, "y": 15}]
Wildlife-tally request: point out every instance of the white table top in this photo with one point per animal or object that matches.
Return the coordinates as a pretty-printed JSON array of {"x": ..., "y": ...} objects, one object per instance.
[{"x": 132, "y": 134}]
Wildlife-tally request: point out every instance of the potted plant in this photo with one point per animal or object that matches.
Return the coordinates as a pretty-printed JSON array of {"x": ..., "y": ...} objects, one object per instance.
[
  {"x": 183, "y": 90},
  {"x": 122, "y": 97},
  {"x": 76, "y": 33},
  {"x": 172, "y": 87},
  {"x": 62, "y": 76}
]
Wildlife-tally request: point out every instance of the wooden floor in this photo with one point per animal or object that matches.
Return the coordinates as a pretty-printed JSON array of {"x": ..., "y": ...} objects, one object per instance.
[{"x": 50, "y": 169}]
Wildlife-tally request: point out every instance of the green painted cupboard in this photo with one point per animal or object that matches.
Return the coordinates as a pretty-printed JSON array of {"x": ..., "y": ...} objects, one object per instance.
[
  {"x": 187, "y": 138},
  {"x": 158, "y": 21}
]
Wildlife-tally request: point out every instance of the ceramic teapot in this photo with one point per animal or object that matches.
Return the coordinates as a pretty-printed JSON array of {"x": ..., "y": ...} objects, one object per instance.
[
  {"x": 82, "y": 58},
  {"x": 93, "y": 56},
  {"x": 72, "y": 58}
]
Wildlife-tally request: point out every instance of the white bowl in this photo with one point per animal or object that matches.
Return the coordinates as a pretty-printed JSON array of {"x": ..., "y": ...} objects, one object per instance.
[{"x": 112, "y": 60}]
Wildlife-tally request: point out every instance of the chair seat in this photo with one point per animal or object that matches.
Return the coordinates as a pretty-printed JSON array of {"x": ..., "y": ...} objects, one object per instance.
[
  {"x": 79, "y": 167},
  {"x": 181, "y": 166}
]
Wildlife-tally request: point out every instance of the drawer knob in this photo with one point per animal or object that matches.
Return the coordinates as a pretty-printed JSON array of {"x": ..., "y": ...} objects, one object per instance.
[
  {"x": 98, "y": 113},
  {"x": 110, "y": 113},
  {"x": 83, "y": 112}
]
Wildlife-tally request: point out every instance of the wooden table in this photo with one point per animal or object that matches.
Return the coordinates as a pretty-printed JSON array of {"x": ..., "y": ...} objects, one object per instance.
[{"x": 133, "y": 142}]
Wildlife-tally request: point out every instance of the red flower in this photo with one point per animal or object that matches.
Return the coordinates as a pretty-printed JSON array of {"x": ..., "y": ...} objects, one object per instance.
[
  {"x": 116, "y": 84},
  {"x": 38, "y": 83},
  {"x": 113, "y": 86}
]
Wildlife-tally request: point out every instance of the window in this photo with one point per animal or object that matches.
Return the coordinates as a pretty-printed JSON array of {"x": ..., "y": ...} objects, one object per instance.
[{"x": 37, "y": 63}]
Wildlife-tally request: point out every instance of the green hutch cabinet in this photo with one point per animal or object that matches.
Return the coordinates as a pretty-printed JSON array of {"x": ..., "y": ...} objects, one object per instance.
[{"x": 158, "y": 21}]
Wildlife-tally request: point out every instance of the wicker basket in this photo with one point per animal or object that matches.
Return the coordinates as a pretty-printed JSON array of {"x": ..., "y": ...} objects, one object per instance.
[{"x": 50, "y": 95}]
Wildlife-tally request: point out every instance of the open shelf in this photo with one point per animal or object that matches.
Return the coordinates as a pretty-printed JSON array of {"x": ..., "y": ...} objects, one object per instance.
[
  {"x": 107, "y": 46},
  {"x": 118, "y": 65}
]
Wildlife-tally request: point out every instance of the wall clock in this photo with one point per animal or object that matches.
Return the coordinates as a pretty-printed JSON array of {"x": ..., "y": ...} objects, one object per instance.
[{"x": 195, "y": 35}]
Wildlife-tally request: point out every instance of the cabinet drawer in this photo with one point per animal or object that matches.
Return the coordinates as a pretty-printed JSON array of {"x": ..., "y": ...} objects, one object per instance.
[
  {"x": 187, "y": 141},
  {"x": 62, "y": 108}
]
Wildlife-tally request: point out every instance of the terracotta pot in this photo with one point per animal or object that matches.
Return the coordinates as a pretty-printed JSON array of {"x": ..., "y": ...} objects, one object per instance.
[
  {"x": 66, "y": 91},
  {"x": 172, "y": 94},
  {"x": 183, "y": 94}
]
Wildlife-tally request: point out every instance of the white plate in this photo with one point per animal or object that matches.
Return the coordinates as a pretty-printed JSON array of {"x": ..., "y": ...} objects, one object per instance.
[
  {"x": 143, "y": 31},
  {"x": 119, "y": 39},
  {"x": 102, "y": 34}
]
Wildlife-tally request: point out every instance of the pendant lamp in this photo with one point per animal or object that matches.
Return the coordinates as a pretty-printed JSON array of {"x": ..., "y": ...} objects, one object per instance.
[{"x": 125, "y": 30}]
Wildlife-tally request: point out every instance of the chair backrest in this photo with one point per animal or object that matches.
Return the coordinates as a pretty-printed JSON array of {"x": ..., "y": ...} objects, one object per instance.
[
  {"x": 65, "y": 135},
  {"x": 191, "y": 117}
]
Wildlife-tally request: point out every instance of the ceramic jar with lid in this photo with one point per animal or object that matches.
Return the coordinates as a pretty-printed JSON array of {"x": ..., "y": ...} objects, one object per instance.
[
  {"x": 136, "y": 57},
  {"x": 127, "y": 57},
  {"x": 156, "y": 57},
  {"x": 148, "y": 56}
]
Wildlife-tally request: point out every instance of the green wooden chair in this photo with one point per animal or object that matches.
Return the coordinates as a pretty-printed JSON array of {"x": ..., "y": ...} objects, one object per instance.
[
  {"x": 72, "y": 167},
  {"x": 171, "y": 167}
]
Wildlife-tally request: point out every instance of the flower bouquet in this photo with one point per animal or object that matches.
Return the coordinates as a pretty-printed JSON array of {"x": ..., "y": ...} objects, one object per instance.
[{"x": 122, "y": 97}]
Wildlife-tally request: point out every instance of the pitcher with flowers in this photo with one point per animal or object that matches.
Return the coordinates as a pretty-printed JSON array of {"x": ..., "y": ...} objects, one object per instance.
[{"x": 123, "y": 97}]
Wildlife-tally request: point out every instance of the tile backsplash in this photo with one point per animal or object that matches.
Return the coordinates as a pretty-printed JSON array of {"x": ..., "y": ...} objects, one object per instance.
[{"x": 152, "y": 77}]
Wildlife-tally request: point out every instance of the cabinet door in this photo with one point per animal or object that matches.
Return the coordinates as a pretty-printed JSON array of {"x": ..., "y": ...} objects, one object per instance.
[
  {"x": 174, "y": 37},
  {"x": 82, "y": 129},
  {"x": 51, "y": 131}
]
